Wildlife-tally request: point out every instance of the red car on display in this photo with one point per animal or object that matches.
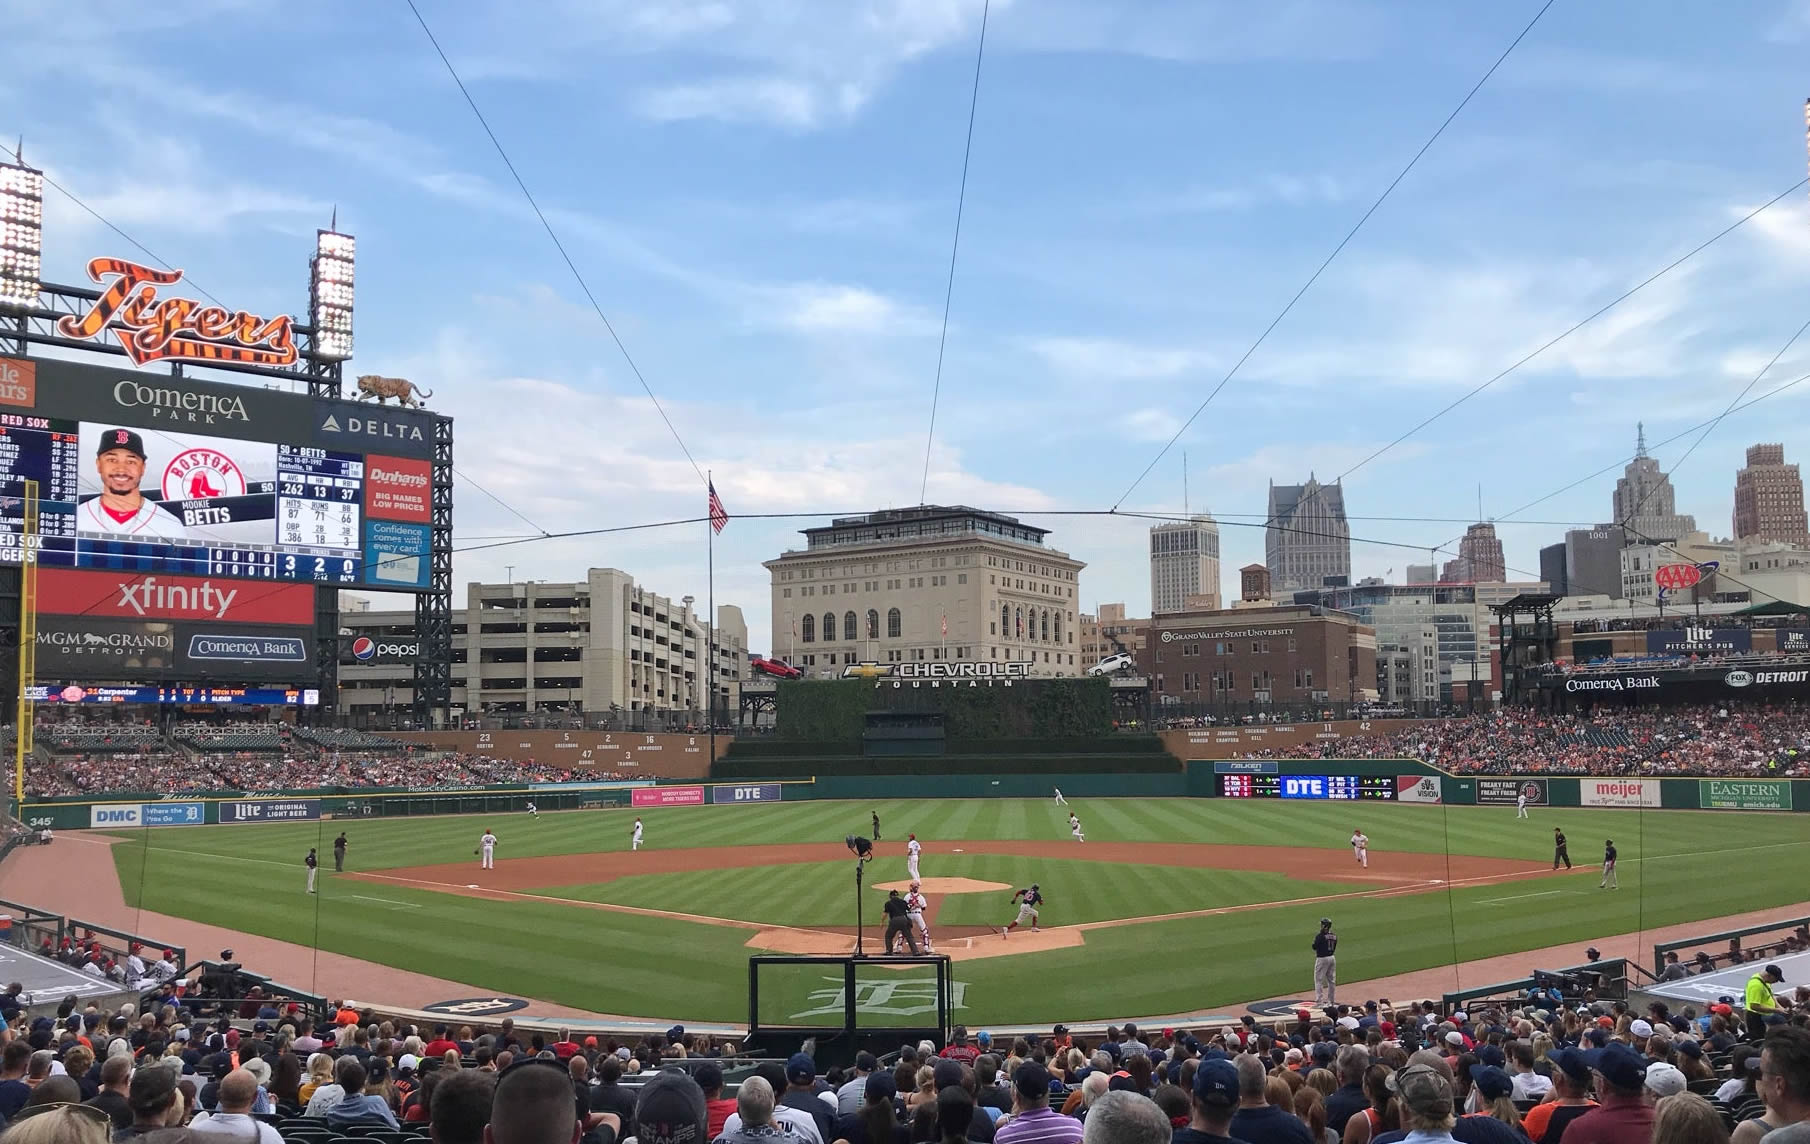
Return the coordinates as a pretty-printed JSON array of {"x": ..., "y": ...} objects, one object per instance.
[{"x": 777, "y": 668}]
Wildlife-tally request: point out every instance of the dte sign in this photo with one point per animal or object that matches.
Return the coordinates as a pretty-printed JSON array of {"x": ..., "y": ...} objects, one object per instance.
[
  {"x": 755, "y": 792},
  {"x": 1303, "y": 786}
]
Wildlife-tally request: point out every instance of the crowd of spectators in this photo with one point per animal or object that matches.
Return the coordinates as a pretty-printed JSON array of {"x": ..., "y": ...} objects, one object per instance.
[
  {"x": 1748, "y": 740},
  {"x": 1375, "y": 1074}
]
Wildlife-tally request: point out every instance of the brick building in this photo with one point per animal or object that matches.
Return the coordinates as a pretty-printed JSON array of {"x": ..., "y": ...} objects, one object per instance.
[
  {"x": 1288, "y": 656},
  {"x": 1769, "y": 498}
]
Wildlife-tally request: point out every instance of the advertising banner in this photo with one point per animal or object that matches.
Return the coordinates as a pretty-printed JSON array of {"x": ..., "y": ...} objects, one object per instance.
[
  {"x": 85, "y": 647},
  {"x": 1508, "y": 792},
  {"x": 116, "y": 814},
  {"x": 1618, "y": 792},
  {"x": 1417, "y": 788},
  {"x": 397, "y": 489},
  {"x": 396, "y": 553},
  {"x": 1244, "y": 767},
  {"x": 272, "y": 810},
  {"x": 77, "y": 647},
  {"x": 1792, "y": 639},
  {"x": 669, "y": 796},
  {"x": 754, "y": 792},
  {"x": 1700, "y": 641},
  {"x": 379, "y": 649},
  {"x": 1744, "y": 794},
  {"x": 175, "y": 813},
  {"x": 153, "y": 596}
]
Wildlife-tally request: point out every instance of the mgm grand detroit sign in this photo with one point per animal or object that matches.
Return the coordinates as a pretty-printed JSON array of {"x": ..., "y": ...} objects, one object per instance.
[{"x": 965, "y": 673}]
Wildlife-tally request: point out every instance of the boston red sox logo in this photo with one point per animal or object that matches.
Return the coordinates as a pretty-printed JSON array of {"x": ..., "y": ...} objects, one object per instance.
[{"x": 197, "y": 474}]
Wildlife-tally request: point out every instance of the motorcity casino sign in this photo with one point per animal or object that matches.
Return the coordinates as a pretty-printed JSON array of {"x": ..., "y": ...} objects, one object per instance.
[{"x": 966, "y": 673}]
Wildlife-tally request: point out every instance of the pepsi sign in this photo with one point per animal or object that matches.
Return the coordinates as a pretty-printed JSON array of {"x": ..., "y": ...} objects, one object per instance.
[{"x": 381, "y": 649}]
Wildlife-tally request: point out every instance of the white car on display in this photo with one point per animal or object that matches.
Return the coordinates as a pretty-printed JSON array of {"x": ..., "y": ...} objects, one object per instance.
[{"x": 1118, "y": 661}]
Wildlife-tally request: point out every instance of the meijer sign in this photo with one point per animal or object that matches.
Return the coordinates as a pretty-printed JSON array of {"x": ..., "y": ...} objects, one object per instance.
[{"x": 1618, "y": 792}]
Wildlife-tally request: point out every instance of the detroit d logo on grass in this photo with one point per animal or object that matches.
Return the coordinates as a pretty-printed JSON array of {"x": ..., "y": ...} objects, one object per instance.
[{"x": 884, "y": 998}]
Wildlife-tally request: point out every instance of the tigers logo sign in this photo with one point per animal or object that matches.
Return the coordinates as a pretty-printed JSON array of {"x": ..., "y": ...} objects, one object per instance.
[{"x": 152, "y": 328}]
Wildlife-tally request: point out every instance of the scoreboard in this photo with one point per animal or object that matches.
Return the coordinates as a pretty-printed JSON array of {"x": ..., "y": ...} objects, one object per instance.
[{"x": 1332, "y": 787}]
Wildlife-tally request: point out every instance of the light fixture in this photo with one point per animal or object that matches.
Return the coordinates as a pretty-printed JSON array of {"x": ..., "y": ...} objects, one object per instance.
[
  {"x": 21, "y": 234},
  {"x": 330, "y": 294}
]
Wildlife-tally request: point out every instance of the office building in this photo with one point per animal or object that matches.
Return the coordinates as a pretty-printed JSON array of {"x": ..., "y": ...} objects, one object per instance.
[
  {"x": 1552, "y": 568},
  {"x": 1479, "y": 559},
  {"x": 1645, "y": 505},
  {"x": 600, "y": 646},
  {"x": 1184, "y": 563},
  {"x": 926, "y": 583},
  {"x": 1288, "y": 655},
  {"x": 1639, "y": 563},
  {"x": 1407, "y": 674},
  {"x": 1307, "y": 541},
  {"x": 1769, "y": 499}
]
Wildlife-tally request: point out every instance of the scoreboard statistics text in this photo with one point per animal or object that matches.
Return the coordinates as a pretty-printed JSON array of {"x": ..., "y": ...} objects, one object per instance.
[{"x": 1332, "y": 787}]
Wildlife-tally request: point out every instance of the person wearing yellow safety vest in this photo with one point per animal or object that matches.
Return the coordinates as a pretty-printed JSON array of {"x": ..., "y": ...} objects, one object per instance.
[{"x": 1759, "y": 1003}]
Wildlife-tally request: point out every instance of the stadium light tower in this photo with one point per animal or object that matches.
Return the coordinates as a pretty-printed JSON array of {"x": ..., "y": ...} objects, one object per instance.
[
  {"x": 330, "y": 294},
  {"x": 21, "y": 234}
]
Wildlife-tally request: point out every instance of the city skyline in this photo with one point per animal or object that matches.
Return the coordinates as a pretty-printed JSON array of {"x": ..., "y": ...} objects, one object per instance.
[{"x": 771, "y": 239}]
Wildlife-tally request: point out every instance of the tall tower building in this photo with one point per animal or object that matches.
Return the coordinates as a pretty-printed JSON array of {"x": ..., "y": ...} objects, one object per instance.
[
  {"x": 1184, "y": 561},
  {"x": 1307, "y": 540},
  {"x": 1480, "y": 559},
  {"x": 1769, "y": 498},
  {"x": 1644, "y": 502}
]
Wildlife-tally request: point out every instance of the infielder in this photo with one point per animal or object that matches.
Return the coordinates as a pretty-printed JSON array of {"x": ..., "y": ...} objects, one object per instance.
[
  {"x": 1360, "y": 845},
  {"x": 1027, "y": 902},
  {"x": 121, "y": 508},
  {"x": 1609, "y": 880},
  {"x": 1326, "y": 943},
  {"x": 635, "y": 843},
  {"x": 1060, "y": 801},
  {"x": 915, "y": 905},
  {"x": 875, "y": 815},
  {"x": 487, "y": 848},
  {"x": 1074, "y": 827},
  {"x": 1521, "y": 805},
  {"x": 532, "y": 812},
  {"x": 313, "y": 864},
  {"x": 912, "y": 849}
]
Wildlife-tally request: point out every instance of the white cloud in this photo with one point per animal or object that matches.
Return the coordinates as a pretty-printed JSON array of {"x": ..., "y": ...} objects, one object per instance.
[
  {"x": 1149, "y": 424},
  {"x": 1112, "y": 359},
  {"x": 824, "y": 308},
  {"x": 1785, "y": 228},
  {"x": 756, "y": 99},
  {"x": 1286, "y": 189}
]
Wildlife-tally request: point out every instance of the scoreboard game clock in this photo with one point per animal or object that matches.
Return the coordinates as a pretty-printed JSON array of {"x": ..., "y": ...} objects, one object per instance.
[{"x": 1349, "y": 788}]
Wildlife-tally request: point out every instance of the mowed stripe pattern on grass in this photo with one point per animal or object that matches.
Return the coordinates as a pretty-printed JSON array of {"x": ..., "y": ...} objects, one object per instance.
[
  {"x": 823, "y": 893},
  {"x": 622, "y": 963}
]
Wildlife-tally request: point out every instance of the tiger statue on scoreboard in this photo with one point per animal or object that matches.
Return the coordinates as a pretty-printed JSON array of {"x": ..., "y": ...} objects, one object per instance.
[{"x": 403, "y": 390}]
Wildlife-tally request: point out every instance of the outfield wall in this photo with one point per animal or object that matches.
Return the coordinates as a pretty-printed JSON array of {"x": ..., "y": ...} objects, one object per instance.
[{"x": 651, "y": 756}]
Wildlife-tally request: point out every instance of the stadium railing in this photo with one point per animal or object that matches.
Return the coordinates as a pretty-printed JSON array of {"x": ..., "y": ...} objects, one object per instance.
[
  {"x": 236, "y": 995},
  {"x": 1776, "y": 946},
  {"x": 1612, "y": 977},
  {"x": 118, "y": 943}
]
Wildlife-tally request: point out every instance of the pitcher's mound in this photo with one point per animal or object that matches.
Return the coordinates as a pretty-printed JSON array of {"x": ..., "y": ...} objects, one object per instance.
[{"x": 945, "y": 886}]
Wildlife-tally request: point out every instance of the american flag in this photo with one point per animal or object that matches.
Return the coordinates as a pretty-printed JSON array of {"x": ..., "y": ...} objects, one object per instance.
[
  {"x": 719, "y": 516},
  {"x": 945, "y": 624}
]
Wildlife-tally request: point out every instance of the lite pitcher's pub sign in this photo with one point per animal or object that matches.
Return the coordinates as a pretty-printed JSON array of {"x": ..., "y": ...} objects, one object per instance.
[{"x": 152, "y": 329}]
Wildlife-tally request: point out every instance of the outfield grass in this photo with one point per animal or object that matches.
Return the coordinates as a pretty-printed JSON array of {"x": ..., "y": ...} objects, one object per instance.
[{"x": 1676, "y": 866}]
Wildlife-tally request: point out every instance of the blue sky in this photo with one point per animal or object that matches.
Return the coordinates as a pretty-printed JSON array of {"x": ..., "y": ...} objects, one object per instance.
[{"x": 761, "y": 193}]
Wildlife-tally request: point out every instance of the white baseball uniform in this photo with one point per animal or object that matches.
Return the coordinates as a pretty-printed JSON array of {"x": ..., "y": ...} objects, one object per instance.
[
  {"x": 1360, "y": 845},
  {"x": 637, "y": 839},
  {"x": 1074, "y": 828},
  {"x": 915, "y": 905},
  {"x": 532, "y": 811},
  {"x": 1060, "y": 801},
  {"x": 912, "y": 849},
  {"x": 1520, "y": 806},
  {"x": 487, "y": 848},
  {"x": 152, "y": 521}
]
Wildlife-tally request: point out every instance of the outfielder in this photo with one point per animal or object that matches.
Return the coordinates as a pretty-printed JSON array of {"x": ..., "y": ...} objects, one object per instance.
[
  {"x": 635, "y": 842},
  {"x": 532, "y": 811},
  {"x": 121, "y": 508},
  {"x": 1521, "y": 805},
  {"x": 915, "y": 905},
  {"x": 1326, "y": 943},
  {"x": 313, "y": 864},
  {"x": 912, "y": 849},
  {"x": 1609, "y": 880},
  {"x": 1060, "y": 801},
  {"x": 1027, "y": 902},
  {"x": 1074, "y": 827},
  {"x": 1360, "y": 845},
  {"x": 487, "y": 848}
]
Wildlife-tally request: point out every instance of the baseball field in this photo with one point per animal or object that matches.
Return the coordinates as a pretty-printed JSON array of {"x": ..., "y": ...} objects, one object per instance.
[{"x": 1171, "y": 905}]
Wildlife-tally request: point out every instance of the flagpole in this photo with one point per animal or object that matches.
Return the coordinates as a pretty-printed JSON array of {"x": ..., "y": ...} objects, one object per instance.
[{"x": 710, "y": 566}]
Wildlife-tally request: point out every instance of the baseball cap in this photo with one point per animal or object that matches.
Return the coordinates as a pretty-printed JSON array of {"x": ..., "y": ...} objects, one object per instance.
[
  {"x": 801, "y": 1069},
  {"x": 947, "y": 1074},
  {"x": 408, "y": 1061},
  {"x": 121, "y": 439},
  {"x": 709, "y": 1075},
  {"x": 1775, "y": 972},
  {"x": 881, "y": 1086},
  {"x": 1620, "y": 1065},
  {"x": 1423, "y": 1090},
  {"x": 1492, "y": 1082},
  {"x": 1691, "y": 1049},
  {"x": 670, "y": 1110},
  {"x": 1032, "y": 1080},
  {"x": 1641, "y": 1029},
  {"x": 1216, "y": 1083},
  {"x": 1323, "y": 1051},
  {"x": 1492, "y": 1055},
  {"x": 1348, "y": 1022},
  {"x": 1571, "y": 1062},
  {"x": 151, "y": 1087},
  {"x": 1455, "y": 1039},
  {"x": 1665, "y": 1080}
]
